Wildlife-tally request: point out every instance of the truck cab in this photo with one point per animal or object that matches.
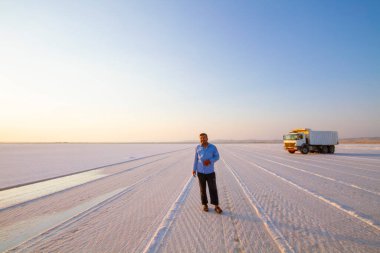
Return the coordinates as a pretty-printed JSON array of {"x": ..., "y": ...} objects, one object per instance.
[
  {"x": 293, "y": 140},
  {"x": 307, "y": 140}
]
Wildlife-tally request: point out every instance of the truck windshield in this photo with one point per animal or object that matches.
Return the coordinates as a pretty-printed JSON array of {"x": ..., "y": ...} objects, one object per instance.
[{"x": 293, "y": 137}]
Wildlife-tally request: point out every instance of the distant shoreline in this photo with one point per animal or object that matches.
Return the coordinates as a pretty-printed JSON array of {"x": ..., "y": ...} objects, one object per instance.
[
  {"x": 364, "y": 140},
  {"x": 354, "y": 141}
]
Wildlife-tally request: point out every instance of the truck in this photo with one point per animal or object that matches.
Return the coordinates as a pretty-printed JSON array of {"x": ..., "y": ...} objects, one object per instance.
[{"x": 306, "y": 140}]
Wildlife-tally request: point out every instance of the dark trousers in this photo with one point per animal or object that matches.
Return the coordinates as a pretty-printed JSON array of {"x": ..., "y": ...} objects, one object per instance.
[{"x": 211, "y": 182}]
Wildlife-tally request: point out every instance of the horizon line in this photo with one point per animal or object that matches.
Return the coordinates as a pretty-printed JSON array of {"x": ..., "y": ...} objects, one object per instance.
[{"x": 172, "y": 142}]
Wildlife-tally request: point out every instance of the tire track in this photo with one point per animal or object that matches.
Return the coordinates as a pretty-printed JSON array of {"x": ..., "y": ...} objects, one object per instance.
[
  {"x": 238, "y": 229},
  {"x": 358, "y": 159},
  {"x": 337, "y": 156},
  {"x": 317, "y": 227},
  {"x": 351, "y": 213},
  {"x": 321, "y": 159},
  {"x": 322, "y": 176},
  {"x": 338, "y": 162},
  {"x": 3, "y": 207},
  {"x": 155, "y": 242},
  {"x": 314, "y": 165},
  {"x": 238, "y": 247},
  {"x": 67, "y": 222},
  {"x": 96, "y": 168},
  {"x": 325, "y": 168},
  {"x": 344, "y": 163},
  {"x": 273, "y": 231}
]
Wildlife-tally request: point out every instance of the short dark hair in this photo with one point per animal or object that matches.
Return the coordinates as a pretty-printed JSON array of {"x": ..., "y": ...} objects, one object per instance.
[{"x": 203, "y": 134}]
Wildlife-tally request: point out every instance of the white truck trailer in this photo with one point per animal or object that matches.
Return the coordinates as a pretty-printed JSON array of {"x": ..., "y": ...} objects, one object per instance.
[{"x": 307, "y": 140}]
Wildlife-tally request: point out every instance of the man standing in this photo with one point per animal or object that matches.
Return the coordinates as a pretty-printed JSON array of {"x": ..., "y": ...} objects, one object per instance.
[{"x": 206, "y": 155}]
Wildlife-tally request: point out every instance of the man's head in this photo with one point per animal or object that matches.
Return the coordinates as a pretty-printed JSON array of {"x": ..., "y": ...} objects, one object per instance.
[{"x": 203, "y": 138}]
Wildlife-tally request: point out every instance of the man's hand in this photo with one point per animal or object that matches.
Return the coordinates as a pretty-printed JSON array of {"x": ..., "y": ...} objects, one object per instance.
[
  {"x": 206, "y": 163},
  {"x": 194, "y": 173}
]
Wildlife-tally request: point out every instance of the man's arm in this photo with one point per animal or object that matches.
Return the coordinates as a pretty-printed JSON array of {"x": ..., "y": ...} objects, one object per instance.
[
  {"x": 195, "y": 166},
  {"x": 215, "y": 156}
]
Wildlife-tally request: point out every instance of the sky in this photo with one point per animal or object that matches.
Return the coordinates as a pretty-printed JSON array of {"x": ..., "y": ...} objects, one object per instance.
[{"x": 127, "y": 71}]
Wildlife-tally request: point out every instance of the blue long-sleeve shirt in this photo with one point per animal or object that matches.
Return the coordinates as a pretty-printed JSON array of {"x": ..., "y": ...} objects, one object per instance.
[{"x": 202, "y": 154}]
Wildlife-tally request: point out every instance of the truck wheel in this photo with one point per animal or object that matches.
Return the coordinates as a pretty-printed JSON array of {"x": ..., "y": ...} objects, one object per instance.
[
  {"x": 324, "y": 149},
  {"x": 291, "y": 151},
  {"x": 332, "y": 149},
  {"x": 304, "y": 149}
]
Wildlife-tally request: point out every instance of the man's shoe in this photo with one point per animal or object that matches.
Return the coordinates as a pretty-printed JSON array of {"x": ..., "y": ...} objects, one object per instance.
[
  {"x": 218, "y": 209},
  {"x": 205, "y": 208}
]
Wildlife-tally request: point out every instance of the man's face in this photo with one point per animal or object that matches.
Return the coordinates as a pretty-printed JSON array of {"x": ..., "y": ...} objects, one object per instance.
[{"x": 203, "y": 139}]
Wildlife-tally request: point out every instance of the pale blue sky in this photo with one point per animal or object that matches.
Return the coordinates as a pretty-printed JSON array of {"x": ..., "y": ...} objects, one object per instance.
[{"x": 167, "y": 70}]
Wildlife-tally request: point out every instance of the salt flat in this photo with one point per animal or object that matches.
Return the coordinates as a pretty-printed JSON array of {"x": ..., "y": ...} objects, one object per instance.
[
  {"x": 273, "y": 201},
  {"x": 25, "y": 163}
]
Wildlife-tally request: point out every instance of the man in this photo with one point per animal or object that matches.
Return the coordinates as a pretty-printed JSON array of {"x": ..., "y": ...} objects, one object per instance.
[{"x": 206, "y": 155}]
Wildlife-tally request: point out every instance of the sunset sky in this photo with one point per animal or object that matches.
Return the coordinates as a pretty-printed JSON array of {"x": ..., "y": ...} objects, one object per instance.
[{"x": 124, "y": 71}]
